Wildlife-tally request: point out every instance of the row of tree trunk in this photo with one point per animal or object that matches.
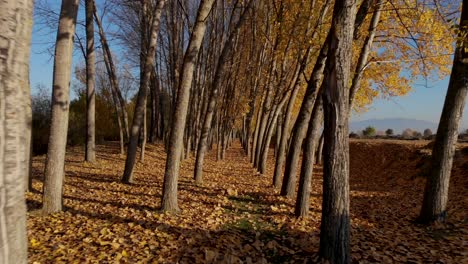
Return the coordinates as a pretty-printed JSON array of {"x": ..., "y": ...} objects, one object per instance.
[{"x": 211, "y": 78}]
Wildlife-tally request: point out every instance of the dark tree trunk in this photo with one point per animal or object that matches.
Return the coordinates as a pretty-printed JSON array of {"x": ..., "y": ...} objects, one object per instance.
[
  {"x": 300, "y": 127},
  {"x": 27, "y": 128},
  {"x": 285, "y": 140},
  {"x": 255, "y": 134},
  {"x": 269, "y": 135},
  {"x": 143, "y": 134},
  {"x": 335, "y": 225},
  {"x": 265, "y": 115},
  {"x": 280, "y": 156},
  {"x": 279, "y": 132},
  {"x": 90, "y": 154},
  {"x": 434, "y": 207},
  {"x": 307, "y": 169}
]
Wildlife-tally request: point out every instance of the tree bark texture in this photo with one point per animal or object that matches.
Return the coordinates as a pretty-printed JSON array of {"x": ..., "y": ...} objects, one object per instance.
[
  {"x": 335, "y": 225},
  {"x": 90, "y": 152},
  {"x": 307, "y": 168},
  {"x": 434, "y": 206},
  {"x": 269, "y": 135},
  {"x": 300, "y": 127},
  {"x": 54, "y": 169},
  {"x": 171, "y": 175},
  {"x": 15, "y": 33}
]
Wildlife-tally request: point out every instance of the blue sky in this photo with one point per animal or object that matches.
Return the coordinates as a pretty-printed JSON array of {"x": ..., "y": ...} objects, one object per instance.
[{"x": 424, "y": 102}]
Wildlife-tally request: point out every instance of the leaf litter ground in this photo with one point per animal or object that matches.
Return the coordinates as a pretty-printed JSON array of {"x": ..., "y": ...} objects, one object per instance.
[{"x": 237, "y": 217}]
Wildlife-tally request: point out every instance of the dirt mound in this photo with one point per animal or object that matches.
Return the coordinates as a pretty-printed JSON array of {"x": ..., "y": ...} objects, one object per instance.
[{"x": 386, "y": 161}]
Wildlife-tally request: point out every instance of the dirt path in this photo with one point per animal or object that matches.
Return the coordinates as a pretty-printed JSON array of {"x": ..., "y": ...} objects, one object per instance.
[{"x": 236, "y": 215}]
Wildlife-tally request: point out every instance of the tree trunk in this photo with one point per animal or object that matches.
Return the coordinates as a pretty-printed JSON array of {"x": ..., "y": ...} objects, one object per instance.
[
  {"x": 202, "y": 144},
  {"x": 115, "y": 100},
  {"x": 112, "y": 71},
  {"x": 364, "y": 54},
  {"x": 143, "y": 135},
  {"x": 434, "y": 206},
  {"x": 139, "y": 113},
  {"x": 90, "y": 154},
  {"x": 219, "y": 141},
  {"x": 266, "y": 113},
  {"x": 255, "y": 134},
  {"x": 27, "y": 140},
  {"x": 171, "y": 175},
  {"x": 300, "y": 127},
  {"x": 15, "y": 32},
  {"x": 279, "y": 132},
  {"x": 307, "y": 169},
  {"x": 335, "y": 225},
  {"x": 269, "y": 135},
  {"x": 54, "y": 169},
  {"x": 285, "y": 139},
  {"x": 319, "y": 155},
  {"x": 279, "y": 161}
]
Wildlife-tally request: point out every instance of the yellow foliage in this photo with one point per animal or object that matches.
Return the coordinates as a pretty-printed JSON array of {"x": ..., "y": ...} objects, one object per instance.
[{"x": 412, "y": 41}]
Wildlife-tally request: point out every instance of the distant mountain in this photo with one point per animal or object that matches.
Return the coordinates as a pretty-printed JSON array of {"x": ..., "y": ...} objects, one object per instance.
[{"x": 397, "y": 124}]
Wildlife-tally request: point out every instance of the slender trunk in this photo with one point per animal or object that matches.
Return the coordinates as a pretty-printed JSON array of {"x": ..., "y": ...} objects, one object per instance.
[
  {"x": 143, "y": 70},
  {"x": 142, "y": 94},
  {"x": 15, "y": 32},
  {"x": 112, "y": 71},
  {"x": 121, "y": 135},
  {"x": 189, "y": 147},
  {"x": 255, "y": 135},
  {"x": 90, "y": 153},
  {"x": 279, "y": 132},
  {"x": 224, "y": 142},
  {"x": 249, "y": 138},
  {"x": 202, "y": 145},
  {"x": 171, "y": 175},
  {"x": 364, "y": 54},
  {"x": 300, "y": 127},
  {"x": 279, "y": 161},
  {"x": 154, "y": 126},
  {"x": 266, "y": 114},
  {"x": 143, "y": 136},
  {"x": 307, "y": 169},
  {"x": 219, "y": 142},
  {"x": 319, "y": 155},
  {"x": 285, "y": 138},
  {"x": 335, "y": 224},
  {"x": 54, "y": 168},
  {"x": 269, "y": 135},
  {"x": 117, "y": 109},
  {"x": 434, "y": 206},
  {"x": 302, "y": 120},
  {"x": 29, "y": 182},
  {"x": 27, "y": 140}
]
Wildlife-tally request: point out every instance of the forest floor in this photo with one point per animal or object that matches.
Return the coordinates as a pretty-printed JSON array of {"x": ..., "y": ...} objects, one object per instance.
[{"x": 237, "y": 217}]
